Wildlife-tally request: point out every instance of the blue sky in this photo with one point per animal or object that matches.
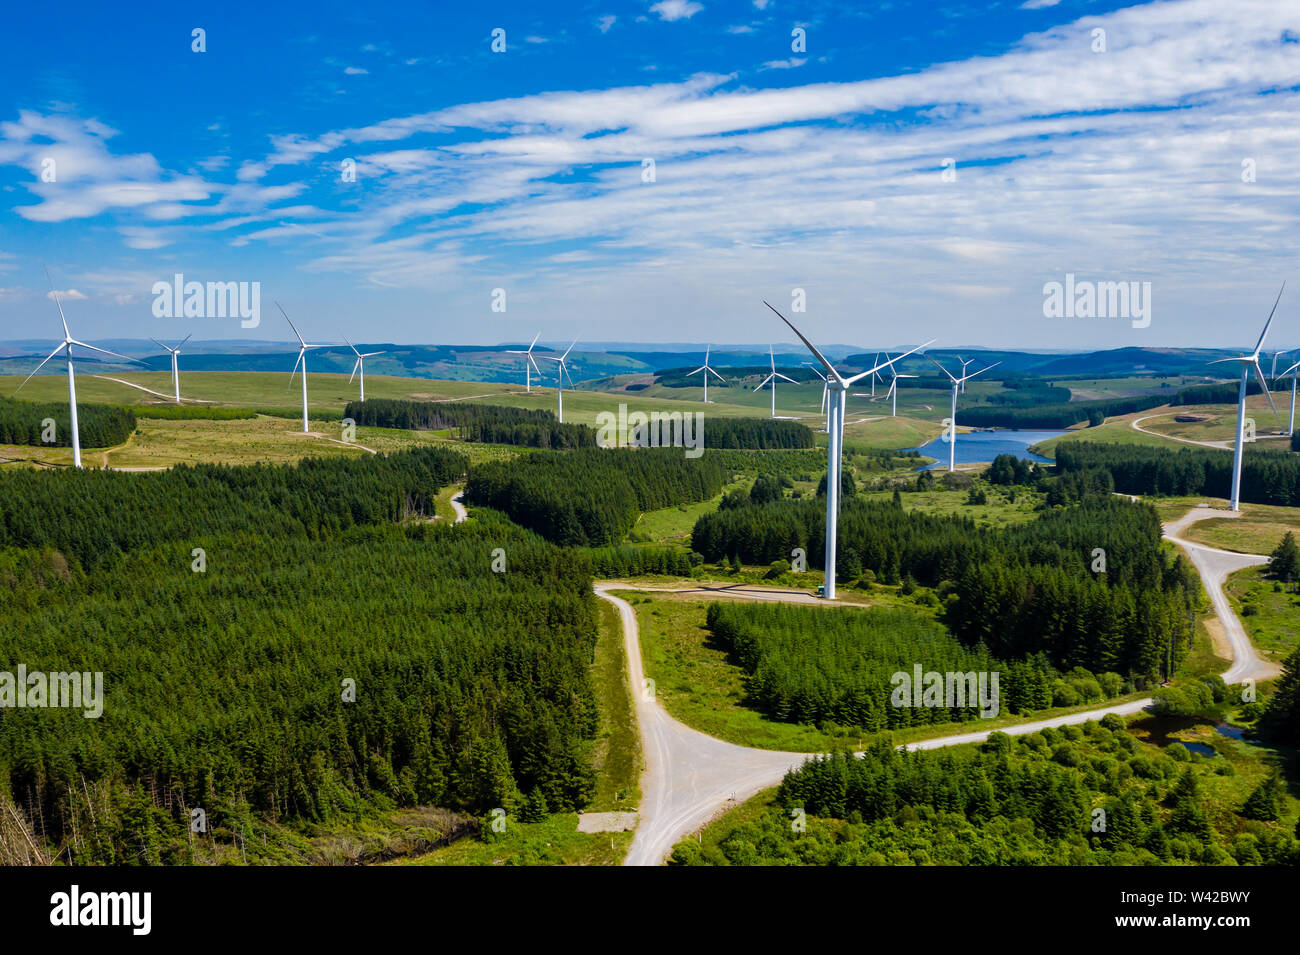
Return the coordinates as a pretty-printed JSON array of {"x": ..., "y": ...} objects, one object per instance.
[{"x": 775, "y": 168}]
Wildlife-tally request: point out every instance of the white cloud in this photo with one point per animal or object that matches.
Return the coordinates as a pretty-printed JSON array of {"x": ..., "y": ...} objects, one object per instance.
[
  {"x": 67, "y": 293},
  {"x": 604, "y": 23},
  {"x": 676, "y": 9},
  {"x": 792, "y": 63},
  {"x": 1038, "y": 4},
  {"x": 356, "y": 71}
]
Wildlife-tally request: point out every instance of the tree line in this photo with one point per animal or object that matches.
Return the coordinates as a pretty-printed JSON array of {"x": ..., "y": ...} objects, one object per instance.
[
  {"x": 592, "y": 496},
  {"x": 490, "y": 424},
  {"x": 99, "y": 426},
  {"x": 1268, "y": 476}
]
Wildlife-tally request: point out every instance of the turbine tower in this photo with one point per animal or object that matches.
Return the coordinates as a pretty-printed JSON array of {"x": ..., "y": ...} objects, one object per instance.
[
  {"x": 837, "y": 386},
  {"x": 530, "y": 363},
  {"x": 775, "y": 374},
  {"x": 176, "y": 372},
  {"x": 1248, "y": 362},
  {"x": 561, "y": 370},
  {"x": 360, "y": 366},
  {"x": 958, "y": 384},
  {"x": 66, "y": 346},
  {"x": 303, "y": 348},
  {"x": 707, "y": 369}
]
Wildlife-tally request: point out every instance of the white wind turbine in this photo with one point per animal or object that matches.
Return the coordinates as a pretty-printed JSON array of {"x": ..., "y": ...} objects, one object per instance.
[
  {"x": 561, "y": 370},
  {"x": 775, "y": 374},
  {"x": 707, "y": 369},
  {"x": 66, "y": 346},
  {"x": 1248, "y": 362},
  {"x": 958, "y": 384},
  {"x": 176, "y": 372},
  {"x": 1292, "y": 371},
  {"x": 838, "y": 387},
  {"x": 892, "y": 394},
  {"x": 360, "y": 365},
  {"x": 303, "y": 348},
  {"x": 530, "y": 363},
  {"x": 964, "y": 363}
]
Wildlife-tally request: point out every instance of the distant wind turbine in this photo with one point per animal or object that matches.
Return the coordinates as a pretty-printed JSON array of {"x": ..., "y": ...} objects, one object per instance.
[
  {"x": 530, "y": 363},
  {"x": 707, "y": 369},
  {"x": 66, "y": 347},
  {"x": 561, "y": 370},
  {"x": 837, "y": 386},
  {"x": 360, "y": 366},
  {"x": 964, "y": 363},
  {"x": 1247, "y": 363},
  {"x": 774, "y": 375},
  {"x": 303, "y": 348},
  {"x": 176, "y": 372},
  {"x": 957, "y": 385},
  {"x": 893, "y": 389}
]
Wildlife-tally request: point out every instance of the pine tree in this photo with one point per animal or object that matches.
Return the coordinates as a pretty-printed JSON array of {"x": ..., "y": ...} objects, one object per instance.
[
  {"x": 1285, "y": 565},
  {"x": 1265, "y": 802}
]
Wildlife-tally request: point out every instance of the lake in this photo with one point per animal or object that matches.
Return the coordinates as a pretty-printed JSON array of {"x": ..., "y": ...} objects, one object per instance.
[{"x": 986, "y": 445}]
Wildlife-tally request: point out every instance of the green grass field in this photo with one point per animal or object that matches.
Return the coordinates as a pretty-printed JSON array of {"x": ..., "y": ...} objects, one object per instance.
[{"x": 1271, "y": 618}]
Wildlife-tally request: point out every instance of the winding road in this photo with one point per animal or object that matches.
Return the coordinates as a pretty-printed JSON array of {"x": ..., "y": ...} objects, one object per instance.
[{"x": 691, "y": 777}]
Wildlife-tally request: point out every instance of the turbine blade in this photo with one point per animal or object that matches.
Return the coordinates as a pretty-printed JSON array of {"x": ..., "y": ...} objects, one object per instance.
[
  {"x": 301, "y": 352},
  {"x": 1259, "y": 373},
  {"x": 942, "y": 369},
  {"x": 981, "y": 371},
  {"x": 184, "y": 340},
  {"x": 1260, "y": 344},
  {"x": 785, "y": 378},
  {"x": 890, "y": 364},
  {"x": 165, "y": 348},
  {"x": 569, "y": 349},
  {"x": 763, "y": 382},
  {"x": 66, "y": 334},
  {"x": 811, "y": 347},
  {"x": 534, "y": 341},
  {"x": 695, "y": 372},
  {"x": 1220, "y": 361},
  {"x": 73, "y": 341},
  {"x": 40, "y": 366},
  {"x": 290, "y": 321},
  {"x": 1289, "y": 370},
  {"x": 353, "y": 347},
  {"x": 716, "y": 375},
  {"x": 354, "y": 371}
]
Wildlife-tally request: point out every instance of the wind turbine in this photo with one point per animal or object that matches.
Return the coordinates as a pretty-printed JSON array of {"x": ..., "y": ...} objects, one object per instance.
[
  {"x": 958, "y": 384},
  {"x": 303, "y": 348},
  {"x": 707, "y": 369},
  {"x": 561, "y": 370},
  {"x": 66, "y": 346},
  {"x": 837, "y": 386},
  {"x": 176, "y": 373},
  {"x": 775, "y": 374},
  {"x": 893, "y": 389},
  {"x": 1292, "y": 371},
  {"x": 825, "y": 394},
  {"x": 964, "y": 363},
  {"x": 530, "y": 363},
  {"x": 360, "y": 365},
  {"x": 1248, "y": 362}
]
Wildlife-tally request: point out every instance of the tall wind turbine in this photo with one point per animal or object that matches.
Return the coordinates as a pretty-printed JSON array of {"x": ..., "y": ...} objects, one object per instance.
[
  {"x": 1248, "y": 362},
  {"x": 1292, "y": 371},
  {"x": 958, "y": 384},
  {"x": 303, "y": 348},
  {"x": 561, "y": 370},
  {"x": 707, "y": 369},
  {"x": 530, "y": 363},
  {"x": 360, "y": 365},
  {"x": 66, "y": 346},
  {"x": 176, "y": 372},
  {"x": 775, "y": 374},
  {"x": 825, "y": 395},
  {"x": 838, "y": 386}
]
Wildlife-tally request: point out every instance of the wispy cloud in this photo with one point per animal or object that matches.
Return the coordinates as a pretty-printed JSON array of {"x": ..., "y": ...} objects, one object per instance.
[{"x": 676, "y": 9}]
